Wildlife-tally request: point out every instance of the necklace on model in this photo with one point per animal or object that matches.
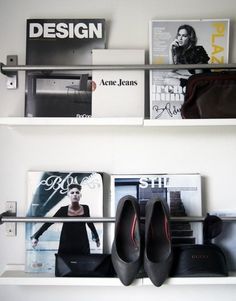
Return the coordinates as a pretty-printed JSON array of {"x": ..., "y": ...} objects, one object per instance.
[{"x": 75, "y": 212}]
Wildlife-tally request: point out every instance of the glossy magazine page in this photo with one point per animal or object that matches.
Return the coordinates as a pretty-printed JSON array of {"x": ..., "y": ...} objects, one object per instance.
[
  {"x": 51, "y": 194},
  {"x": 61, "y": 42},
  {"x": 182, "y": 42},
  {"x": 181, "y": 193},
  {"x": 118, "y": 93}
]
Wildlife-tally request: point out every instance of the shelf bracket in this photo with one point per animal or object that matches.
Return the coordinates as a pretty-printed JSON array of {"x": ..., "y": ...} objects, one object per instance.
[
  {"x": 12, "y": 76},
  {"x": 4, "y": 214},
  {"x": 11, "y": 227}
]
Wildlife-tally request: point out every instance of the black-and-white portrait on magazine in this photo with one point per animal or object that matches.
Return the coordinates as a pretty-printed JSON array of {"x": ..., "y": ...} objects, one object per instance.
[
  {"x": 62, "y": 194},
  {"x": 182, "y": 42}
]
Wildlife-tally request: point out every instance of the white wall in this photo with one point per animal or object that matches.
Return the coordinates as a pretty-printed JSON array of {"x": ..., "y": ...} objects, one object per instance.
[{"x": 210, "y": 151}]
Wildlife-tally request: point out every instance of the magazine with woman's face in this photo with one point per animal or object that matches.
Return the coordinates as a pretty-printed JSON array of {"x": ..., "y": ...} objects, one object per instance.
[
  {"x": 62, "y": 194},
  {"x": 197, "y": 42}
]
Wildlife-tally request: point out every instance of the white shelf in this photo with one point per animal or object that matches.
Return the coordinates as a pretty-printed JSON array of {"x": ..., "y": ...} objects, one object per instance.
[
  {"x": 69, "y": 121},
  {"x": 190, "y": 122},
  {"x": 15, "y": 275},
  {"x": 231, "y": 279},
  {"x": 116, "y": 121}
]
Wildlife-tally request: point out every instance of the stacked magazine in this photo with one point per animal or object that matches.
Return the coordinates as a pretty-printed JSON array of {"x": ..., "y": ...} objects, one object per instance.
[
  {"x": 47, "y": 197},
  {"x": 182, "y": 42},
  {"x": 61, "y": 42},
  {"x": 118, "y": 93},
  {"x": 181, "y": 193}
]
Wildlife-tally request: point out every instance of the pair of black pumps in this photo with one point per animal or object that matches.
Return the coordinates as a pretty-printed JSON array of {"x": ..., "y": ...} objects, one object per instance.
[{"x": 130, "y": 250}]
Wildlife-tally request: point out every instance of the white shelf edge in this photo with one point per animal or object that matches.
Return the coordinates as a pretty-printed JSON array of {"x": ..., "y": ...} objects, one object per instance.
[
  {"x": 190, "y": 122},
  {"x": 231, "y": 279},
  {"x": 70, "y": 121},
  {"x": 113, "y": 121},
  {"x": 15, "y": 275}
]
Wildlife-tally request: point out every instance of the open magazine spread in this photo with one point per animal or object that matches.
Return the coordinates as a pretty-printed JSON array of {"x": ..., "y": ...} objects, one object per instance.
[
  {"x": 61, "y": 42},
  {"x": 182, "y": 42},
  {"x": 48, "y": 196},
  {"x": 180, "y": 192}
]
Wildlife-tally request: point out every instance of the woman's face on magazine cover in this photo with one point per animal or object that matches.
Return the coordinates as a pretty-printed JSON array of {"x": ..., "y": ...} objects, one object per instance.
[
  {"x": 183, "y": 37},
  {"x": 74, "y": 195}
]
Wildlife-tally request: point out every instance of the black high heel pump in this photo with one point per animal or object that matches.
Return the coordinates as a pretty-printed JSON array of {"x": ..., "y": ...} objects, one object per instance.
[
  {"x": 158, "y": 251},
  {"x": 126, "y": 247}
]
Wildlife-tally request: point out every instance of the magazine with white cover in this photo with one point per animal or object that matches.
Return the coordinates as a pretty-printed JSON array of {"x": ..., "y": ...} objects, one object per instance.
[
  {"x": 61, "y": 42},
  {"x": 181, "y": 193},
  {"x": 54, "y": 194},
  {"x": 204, "y": 41},
  {"x": 118, "y": 93}
]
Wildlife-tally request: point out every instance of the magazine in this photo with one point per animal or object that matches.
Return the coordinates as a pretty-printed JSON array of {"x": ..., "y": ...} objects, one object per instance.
[
  {"x": 227, "y": 240},
  {"x": 182, "y": 42},
  {"x": 180, "y": 192},
  {"x": 118, "y": 93},
  {"x": 64, "y": 42},
  {"x": 49, "y": 195}
]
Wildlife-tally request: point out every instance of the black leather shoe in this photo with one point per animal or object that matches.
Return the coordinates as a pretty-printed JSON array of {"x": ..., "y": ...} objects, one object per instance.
[
  {"x": 126, "y": 247},
  {"x": 158, "y": 252}
]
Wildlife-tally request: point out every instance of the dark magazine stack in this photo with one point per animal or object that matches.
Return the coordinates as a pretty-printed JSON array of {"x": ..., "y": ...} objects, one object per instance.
[{"x": 61, "y": 42}]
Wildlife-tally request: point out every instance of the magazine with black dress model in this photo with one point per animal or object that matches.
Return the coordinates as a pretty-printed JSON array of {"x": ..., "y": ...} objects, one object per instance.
[
  {"x": 64, "y": 42},
  {"x": 62, "y": 194}
]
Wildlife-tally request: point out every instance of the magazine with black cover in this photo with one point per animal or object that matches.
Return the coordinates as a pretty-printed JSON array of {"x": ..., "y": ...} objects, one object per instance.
[
  {"x": 181, "y": 193},
  {"x": 64, "y": 42},
  {"x": 51, "y": 194},
  {"x": 204, "y": 41}
]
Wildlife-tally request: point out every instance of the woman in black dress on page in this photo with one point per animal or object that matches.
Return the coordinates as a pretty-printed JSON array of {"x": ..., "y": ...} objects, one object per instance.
[
  {"x": 184, "y": 50},
  {"x": 74, "y": 237}
]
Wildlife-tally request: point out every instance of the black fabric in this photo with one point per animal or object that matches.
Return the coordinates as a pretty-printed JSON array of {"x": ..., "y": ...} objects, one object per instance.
[
  {"x": 193, "y": 55},
  {"x": 74, "y": 237},
  {"x": 198, "y": 261},
  {"x": 211, "y": 95},
  {"x": 92, "y": 265}
]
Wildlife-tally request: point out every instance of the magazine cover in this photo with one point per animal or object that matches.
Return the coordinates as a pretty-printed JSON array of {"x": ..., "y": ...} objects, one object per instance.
[
  {"x": 118, "y": 93},
  {"x": 61, "y": 42},
  {"x": 227, "y": 240},
  {"x": 62, "y": 194},
  {"x": 180, "y": 192},
  {"x": 182, "y": 42}
]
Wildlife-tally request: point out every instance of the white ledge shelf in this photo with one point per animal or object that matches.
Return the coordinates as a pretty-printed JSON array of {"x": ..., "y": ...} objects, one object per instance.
[
  {"x": 113, "y": 121},
  {"x": 231, "y": 279},
  {"x": 189, "y": 122},
  {"x": 15, "y": 275},
  {"x": 70, "y": 121}
]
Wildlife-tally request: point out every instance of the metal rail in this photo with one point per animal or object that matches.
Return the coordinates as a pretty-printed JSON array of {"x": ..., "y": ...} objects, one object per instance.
[
  {"x": 10, "y": 68},
  {"x": 6, "y": 218}
]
